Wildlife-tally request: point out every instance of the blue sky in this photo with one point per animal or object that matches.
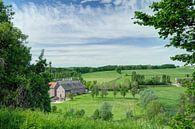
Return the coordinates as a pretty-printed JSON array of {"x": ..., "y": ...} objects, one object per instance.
[{"x": 90, "y": 32}]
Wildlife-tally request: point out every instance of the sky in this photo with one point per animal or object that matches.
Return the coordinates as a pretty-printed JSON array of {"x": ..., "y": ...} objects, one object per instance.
[{"x": 90, "y": 32}]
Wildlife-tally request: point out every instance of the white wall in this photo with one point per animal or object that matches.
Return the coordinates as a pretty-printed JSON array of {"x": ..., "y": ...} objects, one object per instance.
[{"x": 60, "y": 92}]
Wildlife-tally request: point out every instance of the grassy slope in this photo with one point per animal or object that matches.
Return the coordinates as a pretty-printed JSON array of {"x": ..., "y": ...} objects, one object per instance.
[
  {"x": 167, "y": 95},
  {"x": 106, "y": 76}
]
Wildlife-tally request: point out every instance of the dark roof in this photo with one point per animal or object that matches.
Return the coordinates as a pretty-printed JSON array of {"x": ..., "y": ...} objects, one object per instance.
[{"x": 69, "y": 85}]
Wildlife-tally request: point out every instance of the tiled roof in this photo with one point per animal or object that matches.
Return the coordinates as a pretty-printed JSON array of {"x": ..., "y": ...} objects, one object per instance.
[
  {"x": 52, "y": 84},
  {"x": 68, "y": 85}
]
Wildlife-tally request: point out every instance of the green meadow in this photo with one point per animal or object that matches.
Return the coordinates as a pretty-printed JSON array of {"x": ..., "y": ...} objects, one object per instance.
[
  {"x": 107, "y": 76},
  {"x": 169, "y": 96}
]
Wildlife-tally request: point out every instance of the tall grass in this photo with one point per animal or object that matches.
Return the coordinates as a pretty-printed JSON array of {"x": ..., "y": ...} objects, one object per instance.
[{"x": 17, "y": 119}]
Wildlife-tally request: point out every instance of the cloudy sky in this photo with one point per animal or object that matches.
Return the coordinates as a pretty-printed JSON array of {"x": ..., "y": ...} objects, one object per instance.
[{"x": 90, "y": 32}]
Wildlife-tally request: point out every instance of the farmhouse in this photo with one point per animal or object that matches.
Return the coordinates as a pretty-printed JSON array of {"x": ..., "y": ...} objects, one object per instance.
[{"x": 59, "y": 90}]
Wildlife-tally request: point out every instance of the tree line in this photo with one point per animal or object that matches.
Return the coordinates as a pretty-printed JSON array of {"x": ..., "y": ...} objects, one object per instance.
[{"x": 121, "y": 67}]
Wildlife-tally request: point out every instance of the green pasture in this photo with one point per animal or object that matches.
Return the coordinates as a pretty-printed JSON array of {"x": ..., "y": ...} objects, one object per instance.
[
  {"x": 106, "y": 76},
  {"x": 167, "y": 95}
]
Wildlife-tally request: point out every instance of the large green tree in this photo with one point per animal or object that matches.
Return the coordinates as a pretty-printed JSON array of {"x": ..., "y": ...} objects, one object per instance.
[
  {"x": 19, "y": 79},
  {"x": 175, "y": 20}
]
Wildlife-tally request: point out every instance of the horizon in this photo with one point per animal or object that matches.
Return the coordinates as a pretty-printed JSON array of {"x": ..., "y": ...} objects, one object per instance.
[{"x": 90, "y": 33}]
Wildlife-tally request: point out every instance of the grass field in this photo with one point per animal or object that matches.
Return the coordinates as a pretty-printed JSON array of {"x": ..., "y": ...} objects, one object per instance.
[
  {"x": 167, "y": 95},
  {"x": 107, "y": 76}
]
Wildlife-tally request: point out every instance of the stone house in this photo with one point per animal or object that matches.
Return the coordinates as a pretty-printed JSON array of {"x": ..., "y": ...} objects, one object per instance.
[{"x": 61, "y": 89}]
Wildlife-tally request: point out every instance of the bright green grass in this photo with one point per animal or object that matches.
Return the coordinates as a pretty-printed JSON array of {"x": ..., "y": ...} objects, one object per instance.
[
  {"x": 86, "y": 102},
  {"x": 107, "y": 76},
  {"x": 167, "y": 95}
]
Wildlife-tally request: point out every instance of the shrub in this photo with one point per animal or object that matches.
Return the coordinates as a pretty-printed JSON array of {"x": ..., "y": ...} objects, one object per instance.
[
  {"x": 53, "y": 108},
  {"x": 153, "y": 109},
  {"x": 80, "y": 113},
  {"x": 70, "y": 113},
  {"x": 70, "y": 96},
  {"x": 129, "y": 114},
  {"x": 134, "y": 88},
  {"x": 123, "y": 91},
  {"x": 96, "y": 114},
  {"x": 10, "y": 120},
  {"x": 106, "y": 111},
  {"x": 146, "y": 97}
]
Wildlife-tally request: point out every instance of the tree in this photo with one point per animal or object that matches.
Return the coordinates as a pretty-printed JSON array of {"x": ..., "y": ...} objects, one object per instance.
[
  {"x": 124, "y": 91},
  {"x": 174, "y": 19},
  {"x": 134, "y": 88},
  {"x": 127, "y": 83},
  {"x": 15, "y": 57},
  {"x": 133, "y": 76},
  {"x": 105, "y": 111},
  {"x": 104, "y": 92},
  {"x": 21, "y": 84},
  {"x": 115, "y": 91},
  {"x": 118, "y": 70}
]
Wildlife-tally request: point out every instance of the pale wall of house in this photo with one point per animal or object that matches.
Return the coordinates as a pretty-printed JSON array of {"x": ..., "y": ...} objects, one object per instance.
[
  {"x": 51, "y": 92},
  {"x": 60, "y": 92}
]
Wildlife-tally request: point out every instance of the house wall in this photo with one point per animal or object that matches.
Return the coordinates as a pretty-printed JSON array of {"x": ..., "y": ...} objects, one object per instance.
[
  {"x": 51, "y": 92},
  {"x": 60, "y": 92}
]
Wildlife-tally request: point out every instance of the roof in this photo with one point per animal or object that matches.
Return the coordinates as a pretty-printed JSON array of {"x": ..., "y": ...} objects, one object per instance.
[
  {"x": 52, "y": 84},
  {"x": 68, "y": 85}
]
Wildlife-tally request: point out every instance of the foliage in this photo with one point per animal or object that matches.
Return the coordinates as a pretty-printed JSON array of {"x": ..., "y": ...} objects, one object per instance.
[
  {"x": 154, "y": 108},
  {"x": 70, "y": 96},
  {"x": 134, "y": 88},
  {"x": 106, "y": 111},
  {"x": 70, "y": 113},
  {"x": 127, "y": 83},
  {"x": 123, "y": 91},
  {"x": 18, "y": 119},
  {"x": 21, "y": 84},
  {"x": 174, "y": 19},
  {"x": 54, "y": 109},
  {"x": 80, "y": 113},
  {"x": 146, "y": 97},
  {"x": 95, "y": 90},
  {"x": 96, "y": 114},
  {"x": 115, "y": 91},
  {"x": 104, "y": 92},
  {"x": 165, "y": 79},
  {"x": 118, "y": 70},
  {"x": 129, "y": 114},
  {"x": 185, "y": 116}
]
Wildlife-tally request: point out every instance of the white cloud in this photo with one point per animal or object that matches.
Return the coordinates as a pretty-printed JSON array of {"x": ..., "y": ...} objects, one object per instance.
[
  {"x": 74, "y": 26},
  {"x": 106, "y": 1},
  {"x": 85, "y": 1},
  {"x": 65, "y": 23}
]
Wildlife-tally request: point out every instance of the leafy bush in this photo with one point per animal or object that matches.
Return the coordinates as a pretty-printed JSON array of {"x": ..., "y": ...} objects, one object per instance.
[
  {"x": 80, "y": 113},
  {"x": 96, "y": 114},
  {"x": 70, "y": 113},
  {"x": 53, "y": 108},
  {"x": 146, "y": 97},
  {"x": 153, "y": 109},
  {"x": 10, "y": 120},
  {"x": 70, "y": 96},
  {"x": 129, "y": 114},
  {"x": 106, "y": 111},
  {"x": 134, "y": 88},
  {"x": 17, "y": 119}
]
